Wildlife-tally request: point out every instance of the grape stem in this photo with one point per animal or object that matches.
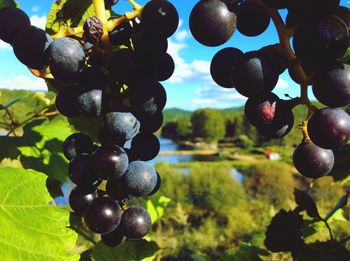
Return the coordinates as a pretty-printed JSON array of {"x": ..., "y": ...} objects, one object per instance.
[
  {"x": 45, "y": 74},
  {"x": 69, "y": 32},
  {"x": 284, "y": 35},
  {"x": 100, "y": 10},
  {"x": 303, "y": 128}
]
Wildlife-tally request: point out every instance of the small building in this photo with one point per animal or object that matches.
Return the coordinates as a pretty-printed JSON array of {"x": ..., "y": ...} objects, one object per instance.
[{"x": 272, "y": 155}]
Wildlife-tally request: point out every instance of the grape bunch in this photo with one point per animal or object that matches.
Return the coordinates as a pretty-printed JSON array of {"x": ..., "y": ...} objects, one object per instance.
[
  {"x": 113, "y": 75},
  {"x": 320, "y": 39}
]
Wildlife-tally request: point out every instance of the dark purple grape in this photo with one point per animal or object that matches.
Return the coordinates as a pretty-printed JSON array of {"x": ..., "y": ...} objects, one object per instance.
[
  {"x": 151, "y": 123},
  {"x": 140, "y": 178},
  {"x": 246, "y": 24},
  {"x": 103, "y": 215},
  {"x": 136, "y": 222},
  {"x": 107, "y": 138},
  {"x": 271, "y": 116},
  {"x": 66, "y": 59},
  {"x": 160, "y": 69},
  {"x": 329, "y": 128},
  {"x": 13, "y": 21},
  {"x": 109, "y": 3},
  {"x": 331, "y": 86},
  {"x": 145, "y": 146},
  {"x": 92, "y": 77},
  {"x": 344, "y": 14},
  {"x": 312, "y": 161},
  {"x": 90, "y": 103},
  {"x": 80, "y": 199},
  {"x": 149, "y": 46},
  {"x": 123, "y": 65},
  {"x": 160, "y": 17},
  {"x": 121, "y": 34},
  {"x": 262, "y": 109},
  {"x": 30, "y": 46},
  {"x": 327, "y": 36},
  {"x": 276, "y": 58},
  {"x": 254, "y": 75},
  {"x": 222, "y": 64},
  {"x": 109, "y": 161},
  {"x": 157, "y": 187},
  {"x": 114, "y": 238},
  {"x": 93, "y": 30},
  {"x": 80, "y": 171},
  {"x": 66, "y": 101},
  {"x": 212, "y": 23},
  {"x": 76, "y": 144},
  {"x": 122, "y": 124},
  {"x": 116, "y": 188}
]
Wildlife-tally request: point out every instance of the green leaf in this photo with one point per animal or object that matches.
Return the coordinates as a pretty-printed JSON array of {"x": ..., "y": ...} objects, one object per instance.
[
  {"x": 306, "y": 202},
  {"x": 246, "y": 252},
  {"x": 341, "y": 203},
  {"x": 324, "y": 251},
  {"x": 73, "y": 13},
  {"x": 33, "y": 229},
  {"x": 156, "y": 207},
  {"x": 10, "y": 103},
  {"x": 5, "y": 3},
  {"x": 40, "y": 147},
  {"x": 131, "y": 250}
]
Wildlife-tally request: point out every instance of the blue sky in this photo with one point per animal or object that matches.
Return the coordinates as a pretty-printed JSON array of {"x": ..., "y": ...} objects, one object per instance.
[{"x": 190, "y": 87}]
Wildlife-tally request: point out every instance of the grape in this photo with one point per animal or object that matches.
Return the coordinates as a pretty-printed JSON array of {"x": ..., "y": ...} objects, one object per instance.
[
  {"x": 344, "y": 14},
  {"x": 76, "y": 144},
  {"x": 116, "y": 188},
  {"x": 278, "y": 4},
  {"x": 66, "y": 59},
  {"x": 123, "y": 65},
  {"x": 13, "y": 21},
  {"x": 136, "y": 222},
  {"x": 212, "y": 23},
  {"x": 307, "y": 8},
  {"x": 157, "y": 187},
  {"x": 329, "y": 128},
  {"x": 80, "y": 171},
  {"x": 160, "y": 69},
  {"x": 271, "y": 116},
  {"x": 151, "y": 100},
  {"x": 66, "y": 101},
  {"x": 122, "y": 124},
  {"x": 246, "y": 24},
  {"x": 107, "y": 138},
  {"x": 140, "y": 178},
  {"x": 92, "y": 76},
  {"x": 145, "y": 146},
  {"x": 149, "y": 46},
  {"x": 313, "y": 161},
  {"x": 328, "y": 36},
  {"x": 160, "y": 17},
  {"x": 93, "y": 30},
  {"x": 103, "y": 215},
  {"x": 151, "y": 123},
  {"x": 275, "y": 57},
  {"x": 121, "y": 34},
  {"x": 331, "y": 86},
  {"x": 222, "y": 65},
  {"x": 30, "y": 46},
  {"x": 92, "y": 103},
  {"x": 109, "y": 3},
  {"x": 79, "y": 199},
  {"x": 254, "y": 75},
  {"x": 110, "y": 160},
  {"x": 114, "y": 238}
]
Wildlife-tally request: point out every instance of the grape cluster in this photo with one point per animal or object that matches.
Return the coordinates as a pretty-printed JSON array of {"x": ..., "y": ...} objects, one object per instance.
[
  {"x": 124, "y": 92},
  {"x": 320, "y": 38}
]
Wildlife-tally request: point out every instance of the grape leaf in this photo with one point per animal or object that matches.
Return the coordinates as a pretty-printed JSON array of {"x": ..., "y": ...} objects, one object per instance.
[
  {"x": 5, "y": 3},
  {"x": 73, "y": 14},
  {"x": 305, "y": 202},
  {"x": 156, "y": 207},
  {"x": 33, "y": 229},
  {"x": 341, "y": 203},
  {"x": 40, "y": 147},
  {"x": 129, "y": 251},
  {"x": 245, "y": 252},
  {"x": 322, "y": 251}
]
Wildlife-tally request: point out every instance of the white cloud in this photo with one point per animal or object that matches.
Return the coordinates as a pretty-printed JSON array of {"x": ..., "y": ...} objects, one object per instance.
[
  {"x": 282, "y": 84},
  {"x": 4, "y": 45},
  {"x": 38, "y": 21},
  {"x": 23, "y": 82}
]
